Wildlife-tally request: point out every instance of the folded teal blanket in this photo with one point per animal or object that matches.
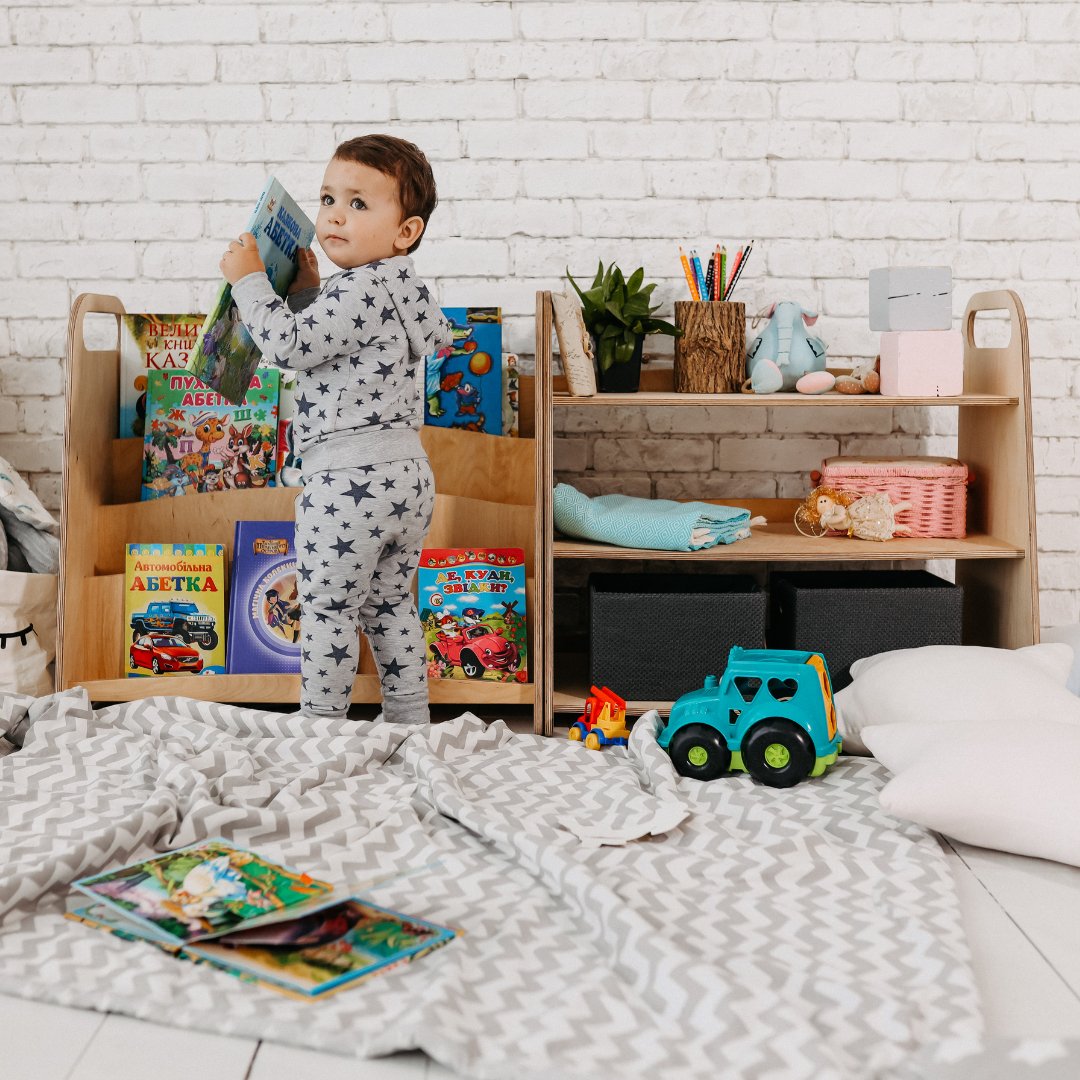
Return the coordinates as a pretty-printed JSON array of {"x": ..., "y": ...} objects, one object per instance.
[{"x": 658, "y": 524}]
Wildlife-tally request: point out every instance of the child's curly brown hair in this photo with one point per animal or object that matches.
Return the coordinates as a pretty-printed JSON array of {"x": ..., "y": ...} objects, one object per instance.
[{"x": 406, "y": 163}]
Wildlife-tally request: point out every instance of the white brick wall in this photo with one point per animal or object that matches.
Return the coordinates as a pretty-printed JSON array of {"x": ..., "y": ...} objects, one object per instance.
[{"x": 840, "y": 135}]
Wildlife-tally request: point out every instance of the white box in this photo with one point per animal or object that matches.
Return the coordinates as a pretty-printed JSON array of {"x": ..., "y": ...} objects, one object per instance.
[{"x": 911, "y": 298}]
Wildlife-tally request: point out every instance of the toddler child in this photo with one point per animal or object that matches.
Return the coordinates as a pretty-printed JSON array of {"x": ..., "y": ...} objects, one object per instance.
[{"x": 368, "y": 494}]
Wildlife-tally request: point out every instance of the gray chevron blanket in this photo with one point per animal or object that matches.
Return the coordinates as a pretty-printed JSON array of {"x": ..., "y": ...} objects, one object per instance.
[{"x": 765, "y": 933}]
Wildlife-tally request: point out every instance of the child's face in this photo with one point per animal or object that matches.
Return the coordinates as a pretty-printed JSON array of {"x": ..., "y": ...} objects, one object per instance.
[{"x": 360, "y": 217}]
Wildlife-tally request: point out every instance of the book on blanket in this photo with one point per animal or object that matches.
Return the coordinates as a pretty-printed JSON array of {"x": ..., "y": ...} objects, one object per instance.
[
  {"x": 150, "y": 343},
  {"x": 264, "y": 606},
  {"x": 231, "y": 908},
  {"x": 225, "y": 357},
  {"x": 174, "y": 608},
  {"x": 472, "y": 606}
]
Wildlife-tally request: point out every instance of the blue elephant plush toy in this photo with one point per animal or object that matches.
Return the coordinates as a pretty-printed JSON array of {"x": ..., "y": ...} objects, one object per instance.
[{"x": 783, "y": 352}]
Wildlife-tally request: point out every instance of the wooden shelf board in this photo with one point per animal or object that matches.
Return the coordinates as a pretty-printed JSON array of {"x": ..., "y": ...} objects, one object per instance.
[
  {"x": 781, "y": 542},
  {"x": 570, "y": 687},
  {"x": 281, "y": 689},
  {"x": 670, "y": 398}
]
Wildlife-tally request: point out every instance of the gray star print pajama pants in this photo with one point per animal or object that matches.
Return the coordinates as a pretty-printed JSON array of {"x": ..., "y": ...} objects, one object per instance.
[{"x": 358, "y": 538}]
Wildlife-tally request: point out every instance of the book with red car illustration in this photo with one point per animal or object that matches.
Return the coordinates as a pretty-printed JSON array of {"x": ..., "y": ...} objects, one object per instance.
[
  {"x": 196, "y": 441},
  {"x": 472, "y": 606},
  {"x": 264, "y": 606},
  {"x": 174, "y": 609}
]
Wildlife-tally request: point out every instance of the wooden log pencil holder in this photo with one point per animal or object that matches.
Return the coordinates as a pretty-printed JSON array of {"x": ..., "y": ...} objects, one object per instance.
[{"x": 710, "y": 353}]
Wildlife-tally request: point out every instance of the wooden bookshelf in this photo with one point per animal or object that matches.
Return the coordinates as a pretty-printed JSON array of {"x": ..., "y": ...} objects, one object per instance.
[
  {"x": 485, "y": 496},
  {"x": 996, "y": 563}
]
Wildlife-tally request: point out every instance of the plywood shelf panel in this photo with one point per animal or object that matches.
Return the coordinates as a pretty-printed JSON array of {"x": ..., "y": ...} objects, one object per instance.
[
  {"x": 645, "y": 398},
  {"x": 783, "y": 543},
  {"x": 268, "y": 689},
  {"x": 658, "y": 389}
]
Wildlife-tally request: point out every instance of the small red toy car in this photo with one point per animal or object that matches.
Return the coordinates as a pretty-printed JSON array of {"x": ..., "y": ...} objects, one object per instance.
[
  {"x": 477, "y": 649},
  {"x": 161, "y": 652}
]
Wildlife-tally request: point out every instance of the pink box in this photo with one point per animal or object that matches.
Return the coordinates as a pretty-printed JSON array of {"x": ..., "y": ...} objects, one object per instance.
[{"x": 922, "y": 363}]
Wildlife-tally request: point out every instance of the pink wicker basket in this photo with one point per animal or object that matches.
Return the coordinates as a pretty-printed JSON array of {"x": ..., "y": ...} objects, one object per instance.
[{"x": 935, "y": 487}]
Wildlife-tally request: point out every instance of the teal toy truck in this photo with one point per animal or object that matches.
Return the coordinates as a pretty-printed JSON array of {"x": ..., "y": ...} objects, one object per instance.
[{"x": 771, "y": 715}]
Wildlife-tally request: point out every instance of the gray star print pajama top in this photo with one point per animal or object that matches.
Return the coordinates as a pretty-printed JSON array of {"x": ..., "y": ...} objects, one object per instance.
[{"x": 365, "y": 507}]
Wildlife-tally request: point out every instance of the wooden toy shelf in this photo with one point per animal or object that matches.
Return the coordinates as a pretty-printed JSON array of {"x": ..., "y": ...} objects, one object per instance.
[
  {"x": 485, "y": 496},
  {"x": 996, "y": 563}
]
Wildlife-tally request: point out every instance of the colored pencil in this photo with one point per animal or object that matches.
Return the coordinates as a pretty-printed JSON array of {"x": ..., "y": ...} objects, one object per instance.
[
  {"x": 689, "y": 275},
  {"x": 742, "y": 266},
  {"x": 721, "y": 273},
  {"x": 695, "y": 262},
  {"x": 731, "y": 274},
  {"x": 709, "y": 279}
]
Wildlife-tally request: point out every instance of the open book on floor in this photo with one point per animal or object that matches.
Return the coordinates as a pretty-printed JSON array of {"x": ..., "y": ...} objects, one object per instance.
[{"x": 217, "y": 904}]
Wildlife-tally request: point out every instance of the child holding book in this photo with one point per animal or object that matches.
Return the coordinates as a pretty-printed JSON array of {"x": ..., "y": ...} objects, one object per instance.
[{"x": 356, "y": 344}]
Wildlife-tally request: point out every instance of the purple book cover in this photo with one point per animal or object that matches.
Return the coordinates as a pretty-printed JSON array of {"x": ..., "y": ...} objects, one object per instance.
[{"x": 264, "y": 609}]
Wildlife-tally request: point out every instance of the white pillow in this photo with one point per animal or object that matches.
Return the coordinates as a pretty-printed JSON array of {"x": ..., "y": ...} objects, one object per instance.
[
  {"x": 993, "y": 783},
  {"x": 955, "y": 682},
  {"x": 1070, "y": 635}
]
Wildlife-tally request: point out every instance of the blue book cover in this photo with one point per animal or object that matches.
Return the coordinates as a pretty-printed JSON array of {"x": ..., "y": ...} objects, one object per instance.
[
  {"x": 463, "y": 386},
  {"x": 226, "y": 357},
  {"x": 264, "y": 608}
]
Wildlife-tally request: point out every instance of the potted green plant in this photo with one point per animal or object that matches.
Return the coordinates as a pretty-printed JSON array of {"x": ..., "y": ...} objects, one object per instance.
[{"x": 617, "y": 314}]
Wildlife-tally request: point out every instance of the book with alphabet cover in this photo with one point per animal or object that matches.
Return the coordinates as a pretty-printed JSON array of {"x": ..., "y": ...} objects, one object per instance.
[
  {"x": 174, "y": 610},
  {"x": 226, "y": 357},
  {"x": 196, "y": 441}
]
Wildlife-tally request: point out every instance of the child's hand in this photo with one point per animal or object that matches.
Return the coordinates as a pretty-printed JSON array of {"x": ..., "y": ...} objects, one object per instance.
[
  {"x": 307, "y": 277},
  {"x": 240, "y": 259}
]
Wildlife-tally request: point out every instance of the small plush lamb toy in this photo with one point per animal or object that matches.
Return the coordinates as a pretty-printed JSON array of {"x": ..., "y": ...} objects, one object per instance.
[{"x": 864, "y": 378}]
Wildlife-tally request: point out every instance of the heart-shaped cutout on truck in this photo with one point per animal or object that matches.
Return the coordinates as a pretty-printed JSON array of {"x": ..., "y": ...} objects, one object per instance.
[{"x": 783, "y": 689}]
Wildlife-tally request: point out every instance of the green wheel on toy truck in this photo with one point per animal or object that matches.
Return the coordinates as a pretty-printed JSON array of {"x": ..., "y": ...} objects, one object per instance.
[
  {"x": 700, "y": 752},
  {"x": 778, "y": 753}
]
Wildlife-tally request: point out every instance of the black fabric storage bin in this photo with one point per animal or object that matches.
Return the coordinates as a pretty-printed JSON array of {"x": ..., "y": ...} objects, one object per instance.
[
  {"x": 848, "y": 614},
  {"x": 653, "y": 637}
]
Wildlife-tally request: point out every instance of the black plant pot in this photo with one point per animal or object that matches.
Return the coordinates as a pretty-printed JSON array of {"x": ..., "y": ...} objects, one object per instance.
[{"x": 622, "y": 377}]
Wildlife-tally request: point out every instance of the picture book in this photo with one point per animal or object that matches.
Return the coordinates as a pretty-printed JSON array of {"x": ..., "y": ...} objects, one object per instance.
[
  {"x": 174, "y": 609},
  {"x": 511, "y": 397},
  {"x": 307, "y": 948},
  {"x": 225, "y": 357},
  {"x": 150, "y": 343},
  {"x": 264, "y": 608},
  {"x": 205, "y": 890},
  {"x": 325, "y": 951},
  {"x": 472, "y": 606},
  {"x": 288, "y": 461},
  {"x": 463, "y": 386},
  {"x": 196, "y": 441}
]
